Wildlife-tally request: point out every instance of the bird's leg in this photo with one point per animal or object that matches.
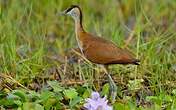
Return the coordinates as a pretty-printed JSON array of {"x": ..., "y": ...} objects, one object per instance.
[{"x": 113, "y": 87}]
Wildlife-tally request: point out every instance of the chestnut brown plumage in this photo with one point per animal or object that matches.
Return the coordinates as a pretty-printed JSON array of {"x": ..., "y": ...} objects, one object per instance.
[
  {"x": 97, "y": 49},
  {"x": 101, "y": 51}
]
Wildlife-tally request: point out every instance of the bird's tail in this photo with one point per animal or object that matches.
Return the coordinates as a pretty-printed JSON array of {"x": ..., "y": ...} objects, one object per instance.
[{"x": 136, "y": 62}]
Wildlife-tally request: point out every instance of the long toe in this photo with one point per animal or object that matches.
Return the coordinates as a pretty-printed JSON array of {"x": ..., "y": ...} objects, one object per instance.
[
  {"x": 113, "y": 89},
  {"x": 113, "y": 92}
]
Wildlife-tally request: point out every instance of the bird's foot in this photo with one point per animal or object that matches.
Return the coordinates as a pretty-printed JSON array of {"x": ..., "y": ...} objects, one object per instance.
[{"x": 113, "y": 89}]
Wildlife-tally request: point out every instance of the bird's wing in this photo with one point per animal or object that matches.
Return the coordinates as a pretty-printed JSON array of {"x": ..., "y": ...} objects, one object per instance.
[{"x": 101, "y": 51}]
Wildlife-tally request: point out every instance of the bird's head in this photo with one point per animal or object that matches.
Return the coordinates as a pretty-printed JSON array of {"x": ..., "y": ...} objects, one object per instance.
[{"x": 74, "y": 11}]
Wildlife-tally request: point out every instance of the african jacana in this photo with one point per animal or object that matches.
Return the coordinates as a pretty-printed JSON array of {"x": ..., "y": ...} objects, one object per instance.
[{"x": 99, "y": 50}]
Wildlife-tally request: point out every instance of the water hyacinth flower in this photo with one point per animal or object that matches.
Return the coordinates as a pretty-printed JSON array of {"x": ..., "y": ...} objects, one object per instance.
[{"x": 96, "y": 102}]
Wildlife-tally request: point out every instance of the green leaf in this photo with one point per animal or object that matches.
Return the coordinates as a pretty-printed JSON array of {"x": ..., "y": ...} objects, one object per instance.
[
  {"x": 131, "y": 105},
  {"x": 18, "y": 102},
  {"x": 49, "y": 103},
  {"x": 49, "y": 99},
  {"x": 105, "y": 90},
  {"x": 33, "y": 94},
  {"x": 70, "y": 93},
  {"x": 174, "y": 92},
  {"x": 55, "y": 85},
  {"x": 45, "y": 95},
  {"x": 27, "y": 106},
  {"x": 135, "y": 84},
  {"x": 8, "y": 103},
  {"x": 155, "y": 99},
  {"x": 2, "y": 94},
  {"x": 38, "y": 107},
  {"x": 120, "y": 106},
  {"x": 81, "y": 89},
  {"x": 58, "y": 96},
  {"x": 13, "y": 97},
  {"x": 32, "y": 106},
  {"x": 19, "y": 108},
  {"x": 168, "y": 98},
  {"x": 157, "y": 107},
  {"x": 87, "y": 93},
  {"x": 59, "y": 106},
  {"x": 21, "y": 94},
  {"x": 151, "y": 98},
  {"x": 75, "y": 101}
]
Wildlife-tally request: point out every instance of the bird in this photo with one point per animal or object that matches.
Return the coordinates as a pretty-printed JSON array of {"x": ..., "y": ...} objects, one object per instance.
[{"x": 99, "y": 50}]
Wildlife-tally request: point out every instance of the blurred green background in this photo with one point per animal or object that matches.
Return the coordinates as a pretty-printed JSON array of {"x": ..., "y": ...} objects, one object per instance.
[{"x": 32, "y": 34}]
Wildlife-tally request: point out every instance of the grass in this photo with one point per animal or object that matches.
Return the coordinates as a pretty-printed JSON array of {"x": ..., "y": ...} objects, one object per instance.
[{"x": 33, "y": 41}]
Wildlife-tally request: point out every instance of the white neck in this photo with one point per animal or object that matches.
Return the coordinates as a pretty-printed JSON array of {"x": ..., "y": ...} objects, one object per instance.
[{"x": 78, "y": 29}]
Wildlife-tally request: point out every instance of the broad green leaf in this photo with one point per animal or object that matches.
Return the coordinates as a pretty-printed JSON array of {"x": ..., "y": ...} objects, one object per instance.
[
  {"x": 152, "y": 98},
  {"x": 58, "y": 96},
  {"x": 132, "y": 105},
  {"x": 13, "y": 97},
  {"x": 59, "y": 106},
  {"x": 2, "y": 94},
  {"x": 19, "y": 108},
  {"x": 45, "y": 95},
  {"x": 174, "y": 92},
  {"x": 49, "y": 99},
  {"x": 55, "y": 85},
  {"x": 70, "y": 93},
  {"x": 8, "y": 103},
  {"x": 135, "y": 84},
  {"x": 105, "y": 90},
  {"x": 87, "y": 93},
  {"x": 168, "y": 98},
  {"x": 80, "y": 89},
  {"x": 75, "y": 101},
  {"x": 157, "y": 107},
  {"x": 38, "y": 107},
  {"x": 32, "y": 106},
  {"x": 49, "y": 103},
  {"x": 120, "y": 106},
  {"x": 18, "y": 102},
  {"x": 33, "y": 94},
  {"x": 21, "y": 94},
  {"x": 155, "y": 99},
  {"x": 28, "y": 106}
]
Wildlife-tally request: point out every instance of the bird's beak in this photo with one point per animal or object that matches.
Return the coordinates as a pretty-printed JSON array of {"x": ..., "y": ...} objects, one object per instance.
[{"x": 61, "y": 13}]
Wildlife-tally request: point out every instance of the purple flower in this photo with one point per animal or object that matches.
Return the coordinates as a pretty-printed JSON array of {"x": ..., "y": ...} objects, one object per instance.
[{"x": 96, "y": 102}]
